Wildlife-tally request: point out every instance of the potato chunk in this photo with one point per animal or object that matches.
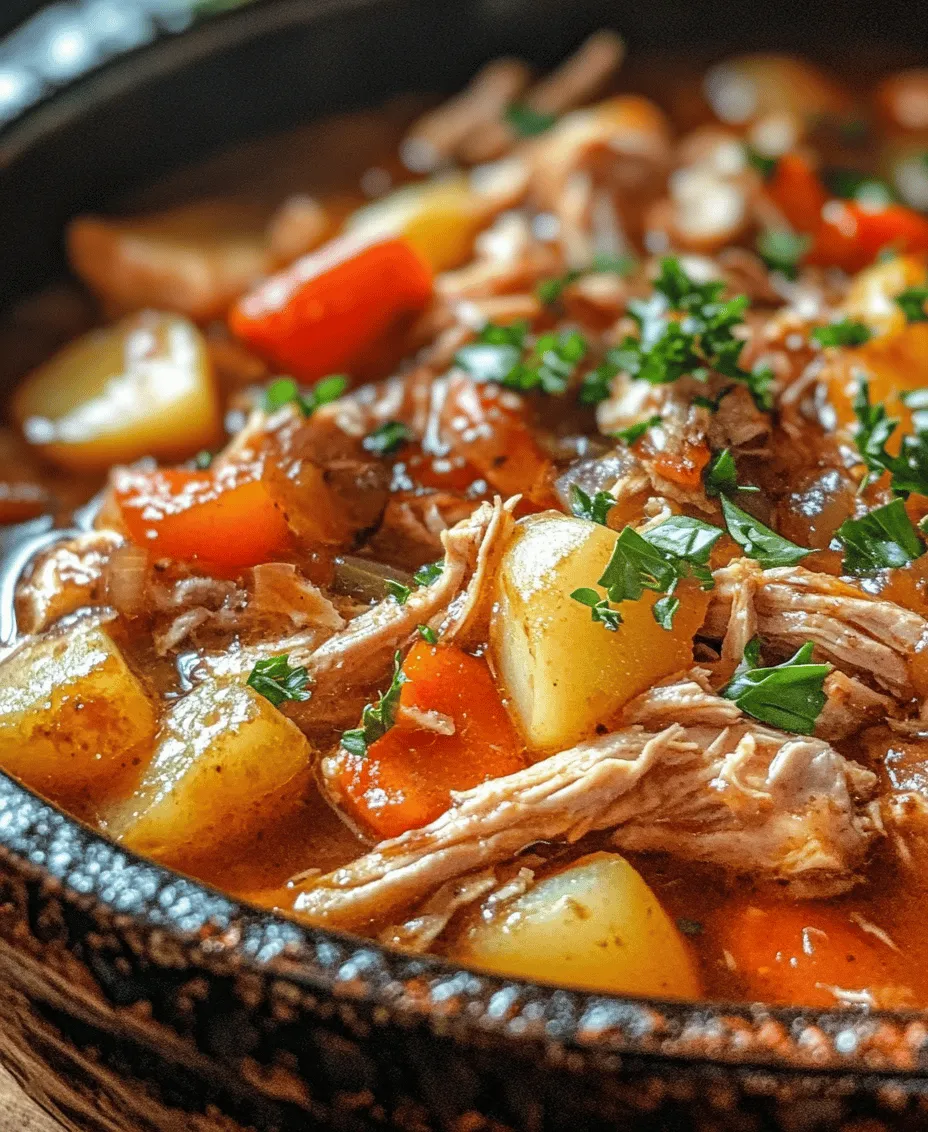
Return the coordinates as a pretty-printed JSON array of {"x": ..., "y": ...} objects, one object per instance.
[
  {"x": 143, "y": 387},
  {"x": 226, "y": 764},
  {"x": 563, "y": 672},
  {"x": 73, "y": 716},
  {"x": 596, "y": 926}
]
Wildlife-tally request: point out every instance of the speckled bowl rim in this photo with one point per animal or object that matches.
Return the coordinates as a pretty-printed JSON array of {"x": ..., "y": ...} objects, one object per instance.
[{"x": 221, "y": 934}]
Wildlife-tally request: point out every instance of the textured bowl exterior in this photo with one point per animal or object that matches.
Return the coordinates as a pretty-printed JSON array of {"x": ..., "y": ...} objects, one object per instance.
[{"x": 135, "y": 1000}]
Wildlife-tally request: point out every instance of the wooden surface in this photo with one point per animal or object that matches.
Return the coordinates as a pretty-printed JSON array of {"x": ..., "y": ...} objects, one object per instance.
[{"x": 18, "y": 1113}]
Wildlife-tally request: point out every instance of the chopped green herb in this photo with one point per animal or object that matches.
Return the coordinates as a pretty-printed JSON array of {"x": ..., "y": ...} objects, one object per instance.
[
  {"x": 596, "y": 510},
  {"x": 277, "y": 681},
  {"x": 377, "y": 719},
  {"x": 636, "y": 431},
  {"x": 914, "y": 303},
  {"x": 883, "y": 539},
  {"x": 689, "y": 927},
  {"x": 428, "y": 634},
  {"x": 526, "y": 122},
  {"x": 606, "y": 264},
  {"x": 721, "y": 476},
  {"x": 764, "y": 165},
  {"x": 397, "y": 591},
  {"x": 702, "y": 341},
  {"x": 285, "y": 390},
  {"x": 425, "y": 575},
  {"x": 850, "y": 184},
  {"x": 664, "y": 609},
  {"x": 601, "y": 610},
  {"x": 386, "y": 438},
  {"x": 759, "y": 541},
  {"x": 908, "y": 470},
  {"x": 203, "y": 460},
  {"x": 549, "y": 291},
  {"x": 847, "y": 332},
  {"x": 596, "y": 383},
  {"x": 789, "y": 695},
  {"x": 497, "y": 356},
  {"x": 782, "y": 250}
]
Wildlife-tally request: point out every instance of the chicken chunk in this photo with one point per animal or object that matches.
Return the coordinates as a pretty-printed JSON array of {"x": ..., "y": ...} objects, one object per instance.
[{"x": 722, "y": 789}]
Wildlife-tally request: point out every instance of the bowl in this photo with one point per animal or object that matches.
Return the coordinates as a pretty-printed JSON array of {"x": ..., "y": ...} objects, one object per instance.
[{"x": 132, "y": 998}]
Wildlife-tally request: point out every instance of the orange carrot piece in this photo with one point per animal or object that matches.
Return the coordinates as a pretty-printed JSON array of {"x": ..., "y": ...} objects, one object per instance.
[{"x": 406, "y": 778}]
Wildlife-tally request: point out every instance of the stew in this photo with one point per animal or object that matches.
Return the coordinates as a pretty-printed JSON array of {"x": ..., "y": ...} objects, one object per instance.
[{"x": 510, "y": 533}]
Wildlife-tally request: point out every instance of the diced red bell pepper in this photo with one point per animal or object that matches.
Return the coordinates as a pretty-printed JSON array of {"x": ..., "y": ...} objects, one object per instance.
[
  {"x": 224, "y": 517},
  {"x": 851, "y": 234},
  {"x": 406, "y": 778},
  {"x": 330, "y": 308}
]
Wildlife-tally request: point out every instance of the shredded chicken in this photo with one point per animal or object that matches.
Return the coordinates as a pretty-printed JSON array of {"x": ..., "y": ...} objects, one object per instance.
[
  {"x": 850, "y": 707},
  {"x": 780, "y": 808},
  {"x": 856, "y": 632},
  {"x": 65, "y": 578}
]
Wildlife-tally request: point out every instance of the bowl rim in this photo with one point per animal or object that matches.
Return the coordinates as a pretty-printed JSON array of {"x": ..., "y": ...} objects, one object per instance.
[{"x": 44, "y": 844}]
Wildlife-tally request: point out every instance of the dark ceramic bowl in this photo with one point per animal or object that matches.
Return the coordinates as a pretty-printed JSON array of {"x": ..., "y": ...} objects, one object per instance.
[{"x": 133, "y": 999}]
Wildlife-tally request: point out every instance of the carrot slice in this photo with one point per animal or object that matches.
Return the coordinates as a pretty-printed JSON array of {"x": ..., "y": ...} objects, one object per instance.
[
  {"x": 406, "y": 778},
  {"x": 226, "y": 518}
]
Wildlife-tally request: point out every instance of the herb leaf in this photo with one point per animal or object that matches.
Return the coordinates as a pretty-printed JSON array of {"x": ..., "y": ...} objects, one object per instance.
[
  {"x": 277, "y": 681},
  {"x": 284, "y": 390},
  {"x": 759, "y": 541},
  {"x": 789, "y": 695},
  {"x": 427, "y": 574},
  {"x": 721, "y": 476},
  {"x": 601, "y": 610},
  {"x": 847, "y": 332},
  {"x": 203, "y": 459},
  {"x": 636, "y": 431},
  {"x": 596, "y": 510},
  {"x": 782, "y": 250},
  {"x": 428, "y": 634},
  {"x": 526, "y": 122},
  {"x": 377, "y": 719},
  {"x": 497, "y": 356},
  {"x": 386, "y": 438},
  {"x": 397, "y": 591},
  {"x": 914, "y": 303},
  {"x": 883, "y": 539},
  {"x": 664, "y": 609}
]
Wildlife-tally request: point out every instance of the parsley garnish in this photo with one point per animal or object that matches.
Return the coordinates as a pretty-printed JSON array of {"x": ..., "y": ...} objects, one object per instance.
[
  {"x": 427, "y": 574},
  {"x": 789, "y": 695},
  {"x": 883, "y": 539},
  {"x": 497, "y": 356},
  {"x": 285, "y": 390},
  {"x": 549, "y": 291},
  {"x": 397, "y": 591},
  {"x": 596, "y": 510},
  {"x": 636, "y": 431},
  {"x": 764, "y": 165},
  {"x": 689, "y": 927},
  {"x": 601, "y": 610},
  {"x": 914, "y": 303},
  {"x": 782, "y": 250},
  {"x": 526, "y": 122},
  {"x": 721, "y": 476},
  {"x": 277, "y": 681},
  {"x": 700, "y": 342},
  {"x": 847, "y": 332},
  {"x": 377, "y": 719},
  {"x": 908, "y": 470},
  {"x": 711, "y": 404},
  {"x": 759, "y": 541},
  {"x": 428, "y": 634},
  {"x": 853, "y": 185},
  {"x": 203, "y": 460},
  {"x": 657, "y": 560},
  {"x": 386, "y": 438}
]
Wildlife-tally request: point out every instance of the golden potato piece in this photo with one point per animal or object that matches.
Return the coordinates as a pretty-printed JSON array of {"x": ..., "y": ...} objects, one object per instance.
[
  {"x": 143, "y": 387},
  {"x": 563, "y": 672},
  {"x": 596, "y": 926},
  {"x": 227, "y": 763},
  {"x": 73, "y": 717}
]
